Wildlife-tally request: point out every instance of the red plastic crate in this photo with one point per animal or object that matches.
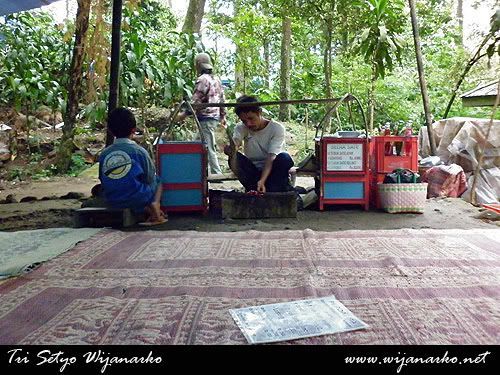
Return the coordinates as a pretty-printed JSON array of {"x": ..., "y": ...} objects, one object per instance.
[{"x": 408, "y": 158}]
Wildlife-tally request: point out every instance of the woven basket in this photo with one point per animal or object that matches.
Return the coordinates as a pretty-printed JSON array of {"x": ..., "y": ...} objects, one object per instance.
[{"x": 397, "y": 198}]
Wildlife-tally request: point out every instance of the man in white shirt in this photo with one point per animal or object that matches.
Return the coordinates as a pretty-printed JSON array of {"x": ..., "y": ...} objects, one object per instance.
[{"x": 265, "y": 165}]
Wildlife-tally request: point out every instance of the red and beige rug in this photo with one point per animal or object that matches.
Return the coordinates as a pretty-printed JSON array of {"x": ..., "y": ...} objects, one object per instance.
[{"x": 174, "y": 287}]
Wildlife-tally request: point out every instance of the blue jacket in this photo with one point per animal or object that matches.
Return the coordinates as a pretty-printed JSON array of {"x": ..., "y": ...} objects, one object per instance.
[{"x": 127, "y": 175}]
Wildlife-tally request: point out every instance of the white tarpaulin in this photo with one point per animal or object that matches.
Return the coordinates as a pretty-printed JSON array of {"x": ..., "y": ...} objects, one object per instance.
[{"x": 460, "y": 140}]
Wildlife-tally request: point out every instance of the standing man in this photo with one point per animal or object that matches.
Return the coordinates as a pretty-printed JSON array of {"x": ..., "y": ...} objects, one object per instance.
[
  {"x": 265, "y": 165},
  {"x": 208, "y": 89}
]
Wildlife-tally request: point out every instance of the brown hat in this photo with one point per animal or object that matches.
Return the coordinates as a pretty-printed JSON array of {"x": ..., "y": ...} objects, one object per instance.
[{"x": 203, "y": 62}]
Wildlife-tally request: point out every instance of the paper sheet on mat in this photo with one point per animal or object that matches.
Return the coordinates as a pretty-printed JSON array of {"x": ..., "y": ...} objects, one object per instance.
[{"x": 295, "y": 319}]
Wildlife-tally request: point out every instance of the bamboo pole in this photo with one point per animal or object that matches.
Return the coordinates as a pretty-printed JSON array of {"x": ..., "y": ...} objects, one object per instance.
[
  {"x": 473, "y": 194},
  {"x": 276, "y": 102}
]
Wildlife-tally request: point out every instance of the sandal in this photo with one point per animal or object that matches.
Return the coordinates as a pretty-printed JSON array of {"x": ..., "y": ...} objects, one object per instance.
[{"x": 152, "y": 223}]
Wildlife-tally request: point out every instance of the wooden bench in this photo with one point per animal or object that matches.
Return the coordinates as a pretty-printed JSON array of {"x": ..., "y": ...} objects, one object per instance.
[{"x": 97, "y": 217}]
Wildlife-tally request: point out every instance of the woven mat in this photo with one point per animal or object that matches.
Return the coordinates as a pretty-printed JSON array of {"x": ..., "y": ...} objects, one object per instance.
[
  {"x": 175, "y": 287},
  {"x": 20, "y": 251}
]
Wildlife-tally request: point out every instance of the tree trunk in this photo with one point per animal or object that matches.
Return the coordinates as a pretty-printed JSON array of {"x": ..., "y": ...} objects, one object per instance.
[
  {"x": 239, "y": 63},
  {"x": 239, "y": 71},
  {"x": 371, "y": 101},
  {"x": 345, "y": 32},
  {"x": 460, "y": 16},
  {"x": 477, "y": 56},
  {"x": 286, "y": 39},
  {"x": 194, "y": 16},
  {"x": 421, "y": 77},
  {"x": 327, "y": 67},
  {"x": 66, "y": 146},
  {"x": 267, "y": 64}
]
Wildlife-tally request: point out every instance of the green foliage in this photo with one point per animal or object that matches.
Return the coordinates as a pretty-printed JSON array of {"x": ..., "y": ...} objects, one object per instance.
[
  {"x": 16, "y": 173},
  {"x": 157, "y": 62},
  {"x": 157, "y": 66},
  {"x": 380, "y": 42},
  {"x": 253, "y": 29},
  {"x": 33, "y": 57},
  {"x": 32, "y": 170},
  {"x": 494, "y": 45},
  {"x": 95, "y": 112},
  {"x": 78, "y": 165},
  {"x": 49, "y": 171}
]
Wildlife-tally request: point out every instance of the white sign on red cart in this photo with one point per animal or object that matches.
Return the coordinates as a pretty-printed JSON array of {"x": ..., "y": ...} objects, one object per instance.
[{"x": 344, "y": 157}]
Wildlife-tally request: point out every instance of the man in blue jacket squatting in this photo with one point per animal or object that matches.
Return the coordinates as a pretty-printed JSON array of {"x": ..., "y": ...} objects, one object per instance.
[{"x": 127, "y": 173}]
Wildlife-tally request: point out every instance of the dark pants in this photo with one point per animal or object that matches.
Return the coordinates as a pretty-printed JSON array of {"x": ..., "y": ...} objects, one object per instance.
[{"x": 278, "y": 179}]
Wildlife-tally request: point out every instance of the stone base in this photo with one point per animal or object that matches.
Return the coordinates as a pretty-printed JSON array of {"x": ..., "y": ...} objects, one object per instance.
[
  {"x": 270, "y": 205},
  {"x": 97, "y": 217},
  {"x": 215, "y": 201}
]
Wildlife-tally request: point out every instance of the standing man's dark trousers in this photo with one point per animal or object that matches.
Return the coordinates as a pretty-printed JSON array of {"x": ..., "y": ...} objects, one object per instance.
[{"x": 278, "y": 180}]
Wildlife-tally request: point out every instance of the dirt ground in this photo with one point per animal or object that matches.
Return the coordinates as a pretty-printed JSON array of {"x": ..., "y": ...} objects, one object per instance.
[{"x": 442, "y": 213}]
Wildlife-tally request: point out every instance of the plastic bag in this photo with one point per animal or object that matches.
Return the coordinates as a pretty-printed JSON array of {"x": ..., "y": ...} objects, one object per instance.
[
  {"x": 402, "y": 176},
  {"x": 430, "y": 161},
  {"x": 487, "y": 186}
]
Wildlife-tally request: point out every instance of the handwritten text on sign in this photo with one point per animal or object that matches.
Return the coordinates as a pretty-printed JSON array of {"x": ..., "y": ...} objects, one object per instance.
[{"x": 344, "y": 157}]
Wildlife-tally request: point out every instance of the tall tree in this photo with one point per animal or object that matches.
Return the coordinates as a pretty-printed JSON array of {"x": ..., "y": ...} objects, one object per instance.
[
  {"x": 491, "y": 41},
  {"x": 194, "y": 16},
  {"x": 267, "y": 63},
  {"x": 421, "y": 76},
  {"x": 286, "y": 40},
  {"x": 324, "y": 12},
  {"x": 253, "y": 30},
  {"x": 327, "y": 60},
  {"x": 380, "y": 43},
  {"x": 67, "y": 146},
  {"x": 460, "y": 17},
  {"x": 239, "y": 64}
]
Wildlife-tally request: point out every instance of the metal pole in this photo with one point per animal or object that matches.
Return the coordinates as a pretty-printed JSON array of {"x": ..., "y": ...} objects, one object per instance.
[
  {"x": 114, "y": 74},
  {"x": 275, "y": 102}
]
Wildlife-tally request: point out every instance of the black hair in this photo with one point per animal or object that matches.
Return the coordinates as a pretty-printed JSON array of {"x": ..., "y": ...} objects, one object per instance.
[
  {"x": 247, "y": 108},
  {"x": 121, "y": 122}
]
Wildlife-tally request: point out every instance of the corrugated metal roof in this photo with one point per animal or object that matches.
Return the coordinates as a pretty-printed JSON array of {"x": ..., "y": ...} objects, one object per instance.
[
  {"x": 489, "y": 89},
  {"x": 14, "y": 6}
]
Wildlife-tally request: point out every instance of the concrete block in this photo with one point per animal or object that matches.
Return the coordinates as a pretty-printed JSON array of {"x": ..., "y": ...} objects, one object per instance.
[
  {"x": 270, "y": 205},
  {"x": 215, "y": 200},
  {"x": 96, "y": 217}
]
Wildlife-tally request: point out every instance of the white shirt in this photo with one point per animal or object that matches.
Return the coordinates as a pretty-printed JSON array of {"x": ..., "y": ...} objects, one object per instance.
[{"x": 257, "y": 145}]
